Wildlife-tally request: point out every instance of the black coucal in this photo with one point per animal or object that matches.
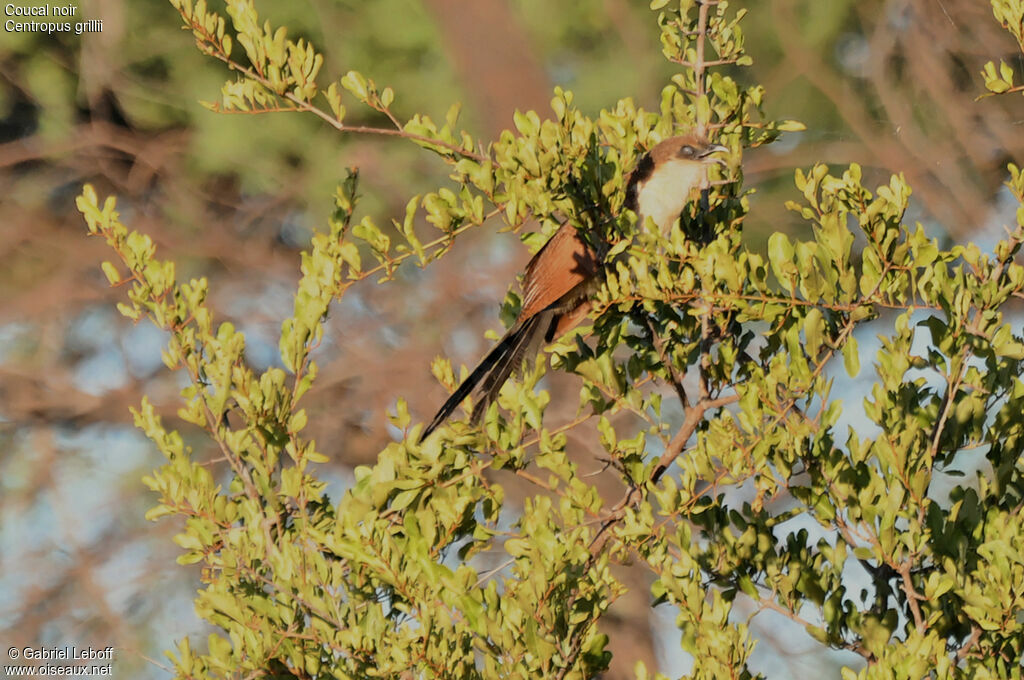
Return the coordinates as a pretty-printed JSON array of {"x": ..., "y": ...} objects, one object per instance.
[{"x": 562, "y": 276}]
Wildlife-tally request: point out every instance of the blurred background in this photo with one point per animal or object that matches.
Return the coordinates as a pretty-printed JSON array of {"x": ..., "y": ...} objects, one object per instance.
[{"x": 889, "y": 84}]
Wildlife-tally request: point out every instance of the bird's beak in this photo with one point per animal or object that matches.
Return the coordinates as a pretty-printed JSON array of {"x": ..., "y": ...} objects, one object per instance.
[{"x": 713, "y": 148}]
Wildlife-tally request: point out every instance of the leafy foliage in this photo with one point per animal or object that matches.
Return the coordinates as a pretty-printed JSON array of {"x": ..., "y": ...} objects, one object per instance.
[
  {"x": 387, "y": 582},
  {"x": 1009, "y": 13}
]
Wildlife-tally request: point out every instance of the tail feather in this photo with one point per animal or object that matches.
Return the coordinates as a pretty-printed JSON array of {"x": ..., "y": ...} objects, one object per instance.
[
  {"x": 526, "y": 344},
  {"x": 493, "y": 370}
]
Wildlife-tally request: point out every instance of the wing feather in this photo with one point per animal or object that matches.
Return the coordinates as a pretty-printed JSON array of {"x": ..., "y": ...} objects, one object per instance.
[{"x": 564, "y": 263}]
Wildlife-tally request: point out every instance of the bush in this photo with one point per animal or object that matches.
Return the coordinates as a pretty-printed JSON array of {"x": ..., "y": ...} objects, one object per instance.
[{"x": 710, "y": 375}]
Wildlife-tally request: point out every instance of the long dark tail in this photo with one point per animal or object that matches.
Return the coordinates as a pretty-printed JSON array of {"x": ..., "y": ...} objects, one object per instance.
[{"x": 493, "y": 371}]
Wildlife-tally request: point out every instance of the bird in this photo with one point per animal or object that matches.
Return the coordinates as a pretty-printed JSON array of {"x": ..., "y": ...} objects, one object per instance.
[{"x": 560, "y": 279}]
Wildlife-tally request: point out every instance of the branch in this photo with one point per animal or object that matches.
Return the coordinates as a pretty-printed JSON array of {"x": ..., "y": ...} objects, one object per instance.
[
  {"x": 912, "y": 596},
  {"x": 673, "y": 377},
  {"x": 769, "y": 603},
  {"x": 693, "y": 417},
  {"x": 952, "y": 387},
  {"x": 971, "y": 643},
  {"x": 215, "y": 51}
]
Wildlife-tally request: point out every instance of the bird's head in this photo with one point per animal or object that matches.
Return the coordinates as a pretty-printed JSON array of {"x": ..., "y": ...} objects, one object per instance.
[{"x": 691, "y": 147}]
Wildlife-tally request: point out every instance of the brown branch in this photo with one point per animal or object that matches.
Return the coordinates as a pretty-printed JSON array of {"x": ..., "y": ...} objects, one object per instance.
[
  {"x": 769, "y": 603},
  {"x": 574, "y": 651},
  {"x": 686, "y": 430},
  {"x": 952, "y": 387},
  {"x": 912, "y": 596},
  {"x": 971, "y": 643}
]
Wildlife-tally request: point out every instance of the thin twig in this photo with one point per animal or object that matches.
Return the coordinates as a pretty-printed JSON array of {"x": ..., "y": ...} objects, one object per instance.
[
  {"x": 673, "y": 376},
  {"x": 912, "y": 596},
  {"x": 215, "y": 51}
]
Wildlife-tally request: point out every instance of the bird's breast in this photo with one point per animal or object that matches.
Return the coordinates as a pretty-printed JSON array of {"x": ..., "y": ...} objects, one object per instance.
[{"x": 666, "y": 192}]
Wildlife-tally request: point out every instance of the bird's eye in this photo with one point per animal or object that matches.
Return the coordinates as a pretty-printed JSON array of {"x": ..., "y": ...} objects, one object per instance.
[{"x": 687, "y": 150}]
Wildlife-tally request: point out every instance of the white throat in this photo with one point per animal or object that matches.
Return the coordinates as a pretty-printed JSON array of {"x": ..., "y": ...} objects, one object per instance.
[{"x": 666, "y": 192}]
